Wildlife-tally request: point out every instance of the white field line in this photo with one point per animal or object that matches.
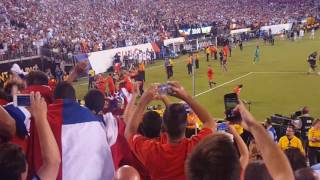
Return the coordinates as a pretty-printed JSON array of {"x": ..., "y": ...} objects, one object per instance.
[
  {"x": 281, "y": 72},
  {"x": 250, "y": 73},
  {"x": 228, "y": 82}
]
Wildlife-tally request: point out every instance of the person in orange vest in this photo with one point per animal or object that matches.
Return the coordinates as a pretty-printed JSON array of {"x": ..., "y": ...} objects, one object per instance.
[
  {"x": 237, "y": 89},
  {"x": 189, "y": 65},
  {"x": 193, "y": 125},
  {"x": 214, "y": 52},
  {"x": 141, "y": 71},
  {"x": 225, "y": 50},
  {"x": 208, "y": 53}
]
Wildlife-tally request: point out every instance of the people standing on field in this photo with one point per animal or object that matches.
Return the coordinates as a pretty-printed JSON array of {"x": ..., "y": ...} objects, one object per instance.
[
  {"x": 189, "y": 65},
  {"x": 210, "y": 74},
  {"x": 256, "y": 55},
  {"x": 312, "y": 35}
]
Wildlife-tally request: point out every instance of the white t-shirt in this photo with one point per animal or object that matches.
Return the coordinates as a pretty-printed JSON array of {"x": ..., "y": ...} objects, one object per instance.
[{"x": 111, "y": 128}]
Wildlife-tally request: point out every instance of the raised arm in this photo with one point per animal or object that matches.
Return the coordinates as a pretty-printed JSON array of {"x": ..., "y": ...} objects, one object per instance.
[
  {"x": 202, "y": 113},
  {"x": 50, "y": 153},
  {"x": 78, "y": 68},
  {"x": 165, "y": 100},
  {"x": 274, "y": 158},
  {"x": 243, "y": 150},
  {"x": 131, "y": 106},
  {"x": 7, "y": 125},
  {"x": 134, "y": 121}
]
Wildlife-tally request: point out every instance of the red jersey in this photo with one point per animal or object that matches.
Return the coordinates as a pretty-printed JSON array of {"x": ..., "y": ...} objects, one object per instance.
[
  {"x": 156, "y": 157},
  {"x": 210, "y": 73},
  {"x": 122, "y": 154},
  {"x": 128, "y": 84},
  {"x": 225, "y": 50},
  {"x": 117, "y": 68},
  {"x": 111, "y": 85},
  {"x": 101, "y": 84}
]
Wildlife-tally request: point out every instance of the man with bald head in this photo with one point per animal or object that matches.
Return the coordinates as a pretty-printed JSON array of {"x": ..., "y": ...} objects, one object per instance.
[{"x": 127, "y": 173}]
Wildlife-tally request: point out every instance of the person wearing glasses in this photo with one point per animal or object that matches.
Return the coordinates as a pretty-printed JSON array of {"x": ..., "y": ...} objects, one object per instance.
[{"x": 290, "y": 140}]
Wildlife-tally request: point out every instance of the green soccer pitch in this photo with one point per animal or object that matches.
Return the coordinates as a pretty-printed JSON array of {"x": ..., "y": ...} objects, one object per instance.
[{"x": 277, "y": 84}]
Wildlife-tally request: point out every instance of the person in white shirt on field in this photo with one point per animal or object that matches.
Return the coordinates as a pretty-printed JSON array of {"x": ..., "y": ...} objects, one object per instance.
[{"x": 312, "y": 34}]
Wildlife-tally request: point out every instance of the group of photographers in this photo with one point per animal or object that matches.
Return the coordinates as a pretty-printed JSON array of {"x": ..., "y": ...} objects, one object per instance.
[{"x": 303, "y": 133}]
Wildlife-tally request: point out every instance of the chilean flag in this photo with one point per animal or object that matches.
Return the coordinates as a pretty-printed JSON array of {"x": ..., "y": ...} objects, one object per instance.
[{"x": 82, "y": 140}]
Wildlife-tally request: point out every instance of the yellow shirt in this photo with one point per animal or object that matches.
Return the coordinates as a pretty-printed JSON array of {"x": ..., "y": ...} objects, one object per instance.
[
  {"x": 170, "y": 62},
  {"x": 208, "y": 50},
  {"x": 160, "y": 111},
  {"x": 193, "y": 121},
  {"x": 295, "y": 142},
  {"x": 313, "y": 133},
  {"x": 141, "y": 67},
  {"x": 91, "y": 73},
  {"x": 238, "y": 128}
]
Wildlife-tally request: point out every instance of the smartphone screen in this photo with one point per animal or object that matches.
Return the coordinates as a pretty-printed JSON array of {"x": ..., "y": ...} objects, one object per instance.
[
  {"x": 231, "y": 101},
  {"x": 222, "y": 127},
  {"x": 22, "y": 100},
  {"x": 163, "y": 89}
]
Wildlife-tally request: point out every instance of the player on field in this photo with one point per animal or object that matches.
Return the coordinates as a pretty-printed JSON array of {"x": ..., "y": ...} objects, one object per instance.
[
  {"x": 256, "y": 55},
  {"x": 210, "y": 76},
  {"x": 312, "y": 60}
]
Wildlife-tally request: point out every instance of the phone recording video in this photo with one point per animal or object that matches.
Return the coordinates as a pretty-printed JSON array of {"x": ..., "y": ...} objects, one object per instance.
[
  {"x": 230, "y": 102},
  {"x": 164, "y": 89},
  {"x": 22, "y": 100},
  {"x": 222, "y": 127}
]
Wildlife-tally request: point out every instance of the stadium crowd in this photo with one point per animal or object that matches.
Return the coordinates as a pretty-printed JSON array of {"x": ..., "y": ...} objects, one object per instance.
[
  {"x": 56, "y": 137},
  {"x": 92, "y": 25}
]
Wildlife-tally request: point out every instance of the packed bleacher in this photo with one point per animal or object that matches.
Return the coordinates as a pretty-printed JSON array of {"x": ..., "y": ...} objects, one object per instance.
[{"x": 86, "y": 26}]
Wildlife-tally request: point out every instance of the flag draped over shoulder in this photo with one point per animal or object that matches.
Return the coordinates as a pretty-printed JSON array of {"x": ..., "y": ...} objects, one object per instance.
[{"x": 82, "y": 140}]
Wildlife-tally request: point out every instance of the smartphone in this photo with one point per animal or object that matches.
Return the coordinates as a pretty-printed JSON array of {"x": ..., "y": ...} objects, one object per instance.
[
  {"x": 164, "y": 89},
  {"x": 222, "y": 127},
  {"x": 230, "y": 102},
  {"x": 22, "y": 100}
]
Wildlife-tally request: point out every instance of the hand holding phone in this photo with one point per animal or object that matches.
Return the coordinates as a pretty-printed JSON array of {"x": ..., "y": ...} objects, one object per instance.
[
  {"x": 164, "y": 89},
  {"x": 222, "y": 127},
  {"x": 231, "y": 101},
  {"x": 22, "y": 100}
]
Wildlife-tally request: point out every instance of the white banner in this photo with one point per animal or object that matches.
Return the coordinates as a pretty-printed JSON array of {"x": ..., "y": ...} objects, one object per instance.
[
  {"x": 101, "y": 61},
  {"x": 174, "y": 40},
  {"x": 239, "y": 31},
  {"x": 277, "y": 29}
]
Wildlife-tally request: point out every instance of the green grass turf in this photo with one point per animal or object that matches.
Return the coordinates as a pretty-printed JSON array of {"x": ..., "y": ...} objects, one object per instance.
[{"x": 269, "y": 93}]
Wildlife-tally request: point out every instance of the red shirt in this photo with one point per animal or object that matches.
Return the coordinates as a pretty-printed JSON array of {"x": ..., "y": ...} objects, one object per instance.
[
  {"x": 225, "y": 50},
  {"x": 122, "y": 154},
  {"x": 101, "y": 84},
  {"x": 165, "y": 160},
  {"x": 117, "y": 67},
  {"x": 210, "y": 73},
  {"x": 128, "y": 83}
]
